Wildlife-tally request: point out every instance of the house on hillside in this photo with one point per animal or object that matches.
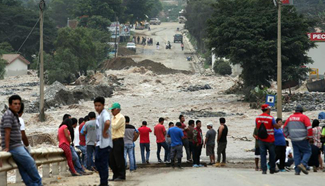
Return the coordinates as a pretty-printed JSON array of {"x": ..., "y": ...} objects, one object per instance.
[{"x": 16, "y": 64}]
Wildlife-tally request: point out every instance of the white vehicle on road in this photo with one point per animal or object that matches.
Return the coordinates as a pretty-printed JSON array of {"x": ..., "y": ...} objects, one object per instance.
[
  {"x": 131, "y": 46},
  {"x": 154, "y": 21}
]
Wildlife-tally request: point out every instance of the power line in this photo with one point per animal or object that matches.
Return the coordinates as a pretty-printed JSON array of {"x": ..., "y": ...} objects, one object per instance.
[{"x": 28, "y": 35}]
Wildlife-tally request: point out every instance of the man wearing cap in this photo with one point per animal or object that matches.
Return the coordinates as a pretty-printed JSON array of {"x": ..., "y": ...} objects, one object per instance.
[
  {"x": 265, "y": 127},
  {"x": 298, "y": 128},
  {"x": 116, "y": 160},
  {"x": 210, "y": 139}
]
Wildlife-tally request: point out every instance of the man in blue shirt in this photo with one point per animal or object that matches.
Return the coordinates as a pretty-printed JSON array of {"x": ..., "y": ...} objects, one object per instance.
[
  {"x": 176, "y": 135},
  {"x": 280, "y": 145}
]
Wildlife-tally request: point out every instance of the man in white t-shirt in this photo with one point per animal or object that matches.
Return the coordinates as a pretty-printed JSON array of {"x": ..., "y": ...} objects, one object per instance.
[
  {"x": 22, "y": 128},
  {"x": 289, "y": 158}
]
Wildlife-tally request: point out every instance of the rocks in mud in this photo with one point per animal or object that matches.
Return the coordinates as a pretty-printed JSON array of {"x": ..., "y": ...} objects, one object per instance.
[
  {"x": 58, "y": 95},
  {"x": 207, "y": 114},
  {"x": 194, "y": 88},
  {"x": 309, "y": 101}
]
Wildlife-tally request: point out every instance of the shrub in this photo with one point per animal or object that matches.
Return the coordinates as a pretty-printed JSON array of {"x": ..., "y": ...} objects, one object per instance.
[{"x": 222, "y": 68}]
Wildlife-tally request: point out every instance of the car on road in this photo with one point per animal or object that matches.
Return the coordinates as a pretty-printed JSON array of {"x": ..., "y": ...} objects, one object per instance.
[
  {"x": 178, "y": 38},
  {"x": 181, "y": 19},
  {"x": 154, "y": 21},
  {"x": 131, "y": 46}
]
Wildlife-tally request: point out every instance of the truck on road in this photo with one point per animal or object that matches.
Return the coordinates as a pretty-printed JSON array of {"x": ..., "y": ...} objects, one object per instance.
[{"x": 154, "y": 21}]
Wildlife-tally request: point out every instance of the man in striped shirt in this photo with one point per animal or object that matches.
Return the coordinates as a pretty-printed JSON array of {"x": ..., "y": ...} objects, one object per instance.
[{"x": 11, "y": 142}]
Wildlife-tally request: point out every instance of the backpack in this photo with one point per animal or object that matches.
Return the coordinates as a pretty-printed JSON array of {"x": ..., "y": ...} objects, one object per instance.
[{"x": 262, "y": 132}]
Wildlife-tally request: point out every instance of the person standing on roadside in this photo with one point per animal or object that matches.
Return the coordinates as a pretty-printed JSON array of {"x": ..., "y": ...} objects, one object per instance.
[
  {"x": 257, "y": 150},
  {"x": 280, "y": 145},
  {"x": 90, "y": 129},
  {"x": 190, "y": 129},
  {"x": 82, "y": 142},
  {"x": 222, "y": 142},
  {"x": 176, "y": 134},
  {"x": 157, "y": 45},
  {"x": 104, "y": 140},
  {"x": 298, "y": 129},
  {"x": 185, "y": 139},
  {"x": 144, "y": 142},
  {"x": 130, "y": 136},
  {"x": 169, "y": 141},
  {"x": 198, "y": 143},
  {"x": 22, "y": 128},
  {"x": 11, "y": 142},
  {"x": 117, "y": 161},
  {"x": 182, "y": 45},
  {"x": 317, "y": 133},
  {"x": 210, "y": 139},
  {"x": 160, "y": 133},
  {"x": 265, "y": 131}
]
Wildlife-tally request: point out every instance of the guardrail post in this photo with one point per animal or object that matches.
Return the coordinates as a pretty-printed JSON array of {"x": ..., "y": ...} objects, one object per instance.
[
  {"x": 55, "y": 169},
  {"x": 46, "y": 170},
  {"x": 18, "y": 176},
  {"x": 63, "y": 166},
  {"x": 3, "y": 176}
]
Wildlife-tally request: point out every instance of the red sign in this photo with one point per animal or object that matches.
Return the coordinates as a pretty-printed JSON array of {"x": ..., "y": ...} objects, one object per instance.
[
  {"x": 316, "y": 36},
  {"x": 285, "y": 2}
]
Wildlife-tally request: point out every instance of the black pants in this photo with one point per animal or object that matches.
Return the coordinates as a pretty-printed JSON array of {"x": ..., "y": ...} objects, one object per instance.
[
  {"x": 196, "y": 154},
  {"x": 116, "y": 159},
  {"x": 187, "y": 150},
  {"x": 221, "y": 151},
  {"x": 280, "y": 154},
  {"x": 191, "y": 148}
]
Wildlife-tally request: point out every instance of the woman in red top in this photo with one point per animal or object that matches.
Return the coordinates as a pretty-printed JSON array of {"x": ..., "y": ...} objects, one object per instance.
[{"x": 64, "y": 143}]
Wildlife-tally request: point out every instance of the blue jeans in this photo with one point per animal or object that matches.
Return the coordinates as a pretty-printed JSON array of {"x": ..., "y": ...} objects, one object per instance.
[
  {"x": 128, "y": 150},
  {"x": 76, "y": 161},
  {"x": 264, "y": 146},
  {"x": 301, "y": 153},
  {"x": 165, "y": 146},
  {"x": 26, "y": 166},
  {"x": 101, "y": 161},
  {"x": 90, "y": 156},
  {"x": 169, "y": 151},
  {"x": 135, "y": 163},
  {"x": 147, "y": 147},
  {"x": 83, "y": 150}
]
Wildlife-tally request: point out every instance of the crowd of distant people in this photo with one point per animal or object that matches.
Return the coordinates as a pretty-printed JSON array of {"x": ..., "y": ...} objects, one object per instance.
[{"x": 108, "y": 141}]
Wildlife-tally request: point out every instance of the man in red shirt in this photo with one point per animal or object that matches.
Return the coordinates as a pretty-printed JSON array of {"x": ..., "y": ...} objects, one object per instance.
[
  {"x": 265, "y": 127},
  {"x": 197, "y": 142},
  {"x": 185, "y": 138},
  {"x": 160, "y": 133},
  {"x": 144, "y": 141},
  {"x": 299, "y": 130}
]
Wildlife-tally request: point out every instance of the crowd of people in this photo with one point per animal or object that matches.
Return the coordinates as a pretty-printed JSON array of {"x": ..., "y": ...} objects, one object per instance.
[
  {"x": 107, "y": 141},
  {"x": 307, "y": 141}
]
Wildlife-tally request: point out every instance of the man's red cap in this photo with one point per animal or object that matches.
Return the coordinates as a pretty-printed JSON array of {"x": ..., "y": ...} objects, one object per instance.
[{"x": 266, "y": 106}]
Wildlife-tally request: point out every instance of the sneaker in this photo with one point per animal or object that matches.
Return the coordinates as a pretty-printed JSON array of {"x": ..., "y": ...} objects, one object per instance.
[
  {"x": 179, "y": 167},
  {"x": 302, "y": 168},
  {"x": 195, "y": 165},
  {"x": 282, "y": 170},
  {"x": 188, "y": 161},
  {"x": 147, "y": 162},
  {"x": 159, "y": 161},
  {"x": 264, "y": 172},
  {"x": 223, "y": 164},
  {"x": 217, "y": 164},
  {"x": 314, "y": 168},
  {"x": 200, "y": 165},
  {"x": 297, "y": 173}
]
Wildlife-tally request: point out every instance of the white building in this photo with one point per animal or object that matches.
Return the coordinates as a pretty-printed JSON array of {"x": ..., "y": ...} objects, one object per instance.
[{"x": 16, "y": 64}]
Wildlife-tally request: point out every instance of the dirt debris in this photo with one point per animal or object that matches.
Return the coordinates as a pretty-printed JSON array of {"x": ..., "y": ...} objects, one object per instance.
[
  {"x": 122, "y": 51},
  {"x": 126, "y": 63}
]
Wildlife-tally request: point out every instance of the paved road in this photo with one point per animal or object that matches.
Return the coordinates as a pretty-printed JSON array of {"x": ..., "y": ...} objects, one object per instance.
[
  {"x": 174, "y": 58},
  {"x": 197, "y": 177}
]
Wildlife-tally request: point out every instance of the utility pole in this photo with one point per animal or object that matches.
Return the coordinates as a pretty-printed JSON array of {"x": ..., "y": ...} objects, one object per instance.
[
  {"x": 116, "y": 48},
  {"x": 41, "y": 102},
  {"x": 279, "y": 79}
]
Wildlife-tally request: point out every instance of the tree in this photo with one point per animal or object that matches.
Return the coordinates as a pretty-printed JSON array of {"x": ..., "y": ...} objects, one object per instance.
[
  {"x": 197, "y": 14},
  {"x": 60, "y": 10},
  {"x": 2, "y": 66},
  {"x": 95, "y": 22},
  {"x": 16, "y": 23},
  {"x": 87, "y": 45},
  {"x": 245, "y": 32},
  {"x": 5, "y": 48}
]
